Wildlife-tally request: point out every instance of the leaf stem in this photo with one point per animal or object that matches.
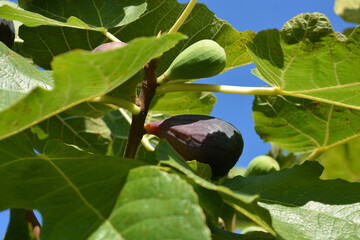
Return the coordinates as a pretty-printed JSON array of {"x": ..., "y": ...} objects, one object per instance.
[
  {"x": 183, "y": 87},
  {"x": 133, "y": 108},
  {"x": 183, "y": 16},
  {"x": 111, "y": 37}
]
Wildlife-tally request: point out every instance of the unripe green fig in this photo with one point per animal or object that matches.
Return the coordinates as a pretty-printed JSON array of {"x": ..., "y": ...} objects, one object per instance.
[
  {"x": 109, "y": 46},
  {"x": 205, "y": 58},
  {"x": 203, "y": 138},
  {"x": 261, "y": 165}
]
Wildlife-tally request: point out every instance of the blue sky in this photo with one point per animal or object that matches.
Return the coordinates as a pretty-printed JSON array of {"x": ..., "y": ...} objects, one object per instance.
[{"x": 248, "y": 15}]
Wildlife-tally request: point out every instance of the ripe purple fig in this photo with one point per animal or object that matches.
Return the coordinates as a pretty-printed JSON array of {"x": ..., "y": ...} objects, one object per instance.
[
  {"x": 7, "y": 32},
  {"x": 109, "y": 46},
  {"x": 203, "y": 138}
]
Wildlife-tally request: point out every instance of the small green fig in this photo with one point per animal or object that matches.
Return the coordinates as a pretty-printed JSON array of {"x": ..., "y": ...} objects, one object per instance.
[
  {"x": 109, "y": 46},
  {"x": 205, "y": 58},
  {"x": 203, "y": 138},
  {"x": 261, "y": 165}
]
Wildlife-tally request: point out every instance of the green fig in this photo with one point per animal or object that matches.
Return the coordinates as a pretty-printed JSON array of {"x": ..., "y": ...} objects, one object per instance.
[
  {"x": 109, "y": 46},
  {"x": 203, "y": 138},
  {"x": 205, "y": 58},
  {"x": 261, "y": 165}
]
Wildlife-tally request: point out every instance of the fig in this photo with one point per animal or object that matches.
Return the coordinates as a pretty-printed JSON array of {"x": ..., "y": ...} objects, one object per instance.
[
  {"x": 203, "y": 138},
  {"x": 261, "y": 165},
  {"x": 205, "y": 58},
  {"x": 7, "y": 32},
  {"x": 109, "y": 46}
]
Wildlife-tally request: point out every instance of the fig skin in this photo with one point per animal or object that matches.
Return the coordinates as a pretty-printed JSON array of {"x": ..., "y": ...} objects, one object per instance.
[
  {"x": 205, "y": 58},
  {"x": 261, "y": 165},
  {"x": 109, "y": 46},
  {"x": 7, "y": 32},
  {"x": 203, "y": 138}
]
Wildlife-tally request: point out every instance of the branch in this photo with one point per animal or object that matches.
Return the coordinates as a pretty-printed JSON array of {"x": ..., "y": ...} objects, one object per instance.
[
  {"x": 183, "y": 16},
  {"x": 183, "y": 87},
  {"x": 147, "y": 93}
]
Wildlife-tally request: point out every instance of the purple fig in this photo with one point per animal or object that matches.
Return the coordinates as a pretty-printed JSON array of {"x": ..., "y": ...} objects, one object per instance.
[
  {"x": 203, "y": 138},
  {"x": 7, "y": 32},
  {"x": 109, "y": 46}
]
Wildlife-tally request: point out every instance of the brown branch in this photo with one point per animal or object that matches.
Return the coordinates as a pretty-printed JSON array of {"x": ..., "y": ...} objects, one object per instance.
[
  {"x": 31, "y": 218},
  {"x": 146, "y": 95}
]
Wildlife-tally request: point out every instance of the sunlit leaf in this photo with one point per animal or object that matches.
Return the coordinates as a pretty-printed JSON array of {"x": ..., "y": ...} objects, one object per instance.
[
  {"x": 80, "y": 76},
  {"x": 155, "y": 205},
  {"x": 304, "y": 126},
  {"x": 304, "y": 207},
  {"x": 306, "y": 59},
  {"x": 68, "y": 186}
]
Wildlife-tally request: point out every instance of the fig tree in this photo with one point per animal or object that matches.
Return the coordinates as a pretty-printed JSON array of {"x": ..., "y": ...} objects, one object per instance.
[
  {"x": 261, "y": 165},
  {"x": 203, "y": 138},
  {"x": 109, "y": 46},
  {"x": 205, "y": 58},
  {"x": 7, "y": 32}
]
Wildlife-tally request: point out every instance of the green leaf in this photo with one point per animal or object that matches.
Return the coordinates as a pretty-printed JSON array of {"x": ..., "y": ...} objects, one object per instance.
[
  {"x": 32, "y": 19},
  {"x": 45, "y": 42},
  {"x": 89, "y": 134},
  {"x": 18, "y": 78},
  {"x": 304, "y": 126},
  {"x": 202, "y": 170},
  {"x": 342, "y": 162},
  {"x": 119, "y": 128},
  {"x": 80, "y": 76},
  {"x": 348, "y": 10},
  {"x": 306, "y": 59},
  {"x": 69, "y": 187},
  {"x": 97, "y": 13},
  {"x": 304, "y": 207},
  {"x": 179, "y": 103},
  {"x": 155, "y": 205},
  {"x": 243, "y": 203}
]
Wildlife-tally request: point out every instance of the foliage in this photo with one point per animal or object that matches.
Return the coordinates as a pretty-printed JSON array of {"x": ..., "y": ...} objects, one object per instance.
[{"x": 71, "y": 133}]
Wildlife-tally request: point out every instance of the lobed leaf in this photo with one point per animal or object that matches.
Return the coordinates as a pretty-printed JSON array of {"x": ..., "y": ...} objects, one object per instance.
[
  {"x": 243, "y": 203},
  {"x": 304, "y": 126},
  {"x": 32, "y": 19},
  {"x": 307, "y": 59},
  {"x": 342, "y": 162},
  {"x": 80, "y": 76},
  {"x": 45, "y": 42},
  {"x": 89, "y": 134},
  {"x": 97, "y": 13},
  {"x": 68, "y": 186},
  {"x": 304, "y": 207},
  {"x": 19, "y": 77},
  {"x": 155, "y": 205}
]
